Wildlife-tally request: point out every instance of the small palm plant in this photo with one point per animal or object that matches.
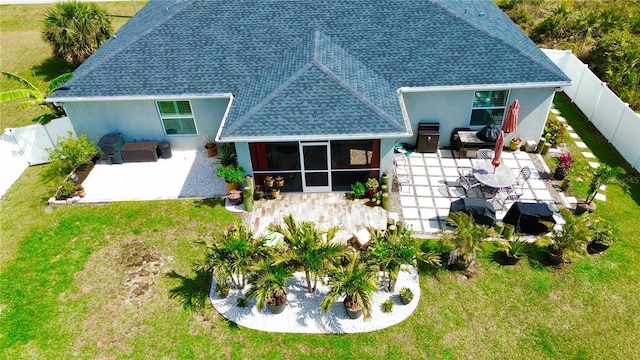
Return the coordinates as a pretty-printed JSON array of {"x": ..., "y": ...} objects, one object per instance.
[
  {"x": 465, "y": 240},
  {"x": 406, "y": 295},
  {"x": 513, "y": 251},
  {"x": 309, "y": 249},
  {"x": 268, "y": 285},
  {"x": 603, "y": 175},
  {"x": 231, "y": 255},
  {"x": 391, "y": 250},
  {"x": 572, "y": 240},
  {"x": 356, "y": 281}
]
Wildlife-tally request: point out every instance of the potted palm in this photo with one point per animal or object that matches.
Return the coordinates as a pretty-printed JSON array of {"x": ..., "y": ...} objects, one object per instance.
[
  {"x": 392, "y": 249},
  {"x": 512, "y": 251},
  {"x": 308, "y": 249},
  {"x": 231, "y": 254},
  {"x": 232, "y": 175},
  {"x": 356, "y": 281},
  {"x": 465, "y": 240},
  {"x": 570, "y": 241},
  {"x": 603, "y": 175},
  {"x": 210, "y": 147},
  {"x": 601, "y": 236},
  {"x": 268, "y": 285}
]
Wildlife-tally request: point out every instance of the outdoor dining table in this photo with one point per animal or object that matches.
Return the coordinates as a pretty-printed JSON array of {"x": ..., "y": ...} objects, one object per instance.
[{"x": 495, "y": 177}]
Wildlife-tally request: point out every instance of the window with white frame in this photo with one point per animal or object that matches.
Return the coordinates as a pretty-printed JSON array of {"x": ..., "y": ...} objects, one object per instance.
[
  {"x": 489, "y": 107},
  {"x": 177, "y": 117}
]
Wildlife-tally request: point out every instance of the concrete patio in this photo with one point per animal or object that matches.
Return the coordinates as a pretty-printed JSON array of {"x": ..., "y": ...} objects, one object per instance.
[{"x": 191, "y": 174}]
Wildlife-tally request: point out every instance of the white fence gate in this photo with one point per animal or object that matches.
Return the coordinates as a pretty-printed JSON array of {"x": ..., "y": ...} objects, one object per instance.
[
  {"x": 27, "y": 145},
  {"x": 615, "y": 120}
]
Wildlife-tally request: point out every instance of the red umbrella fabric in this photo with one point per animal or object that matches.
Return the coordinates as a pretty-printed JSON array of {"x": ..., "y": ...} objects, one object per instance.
[
  {"x": 497, "y": 152},
  {"x": 510, "y": 124}
]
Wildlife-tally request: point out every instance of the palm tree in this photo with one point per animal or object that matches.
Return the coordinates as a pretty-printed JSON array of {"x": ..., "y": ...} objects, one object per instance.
[
  {"x": 390, "y": 250},
  {"x": 309, "y": 249},
  {"x": 357, "y": 281},
  {"x": 572, "y": 240},
  {"x": 466, "y": 239},
  {"x": 268, "y": 285},
  {"x": 603, "y": 175},
  {"x": 36, "y": 96},
  {"x": 76, "y": 30},
  {"x": 232, "y": 256}
]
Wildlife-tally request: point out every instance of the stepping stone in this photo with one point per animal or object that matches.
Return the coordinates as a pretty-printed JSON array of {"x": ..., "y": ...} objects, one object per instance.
[
  {"x": 569, "y": 128},
  {"x": 555, "y": 111},
  {"x": 601, "y": 197},
  {"x": 588, "y": 155},
  {"x": 574, "y": 135},
  {"x": 572, "y": 199},
  {"x": 602, "y": 187},
  {"x": 594, "y": 165},
  {"x": 581, "y": 145},
  {"x": 561, "y": 118}
]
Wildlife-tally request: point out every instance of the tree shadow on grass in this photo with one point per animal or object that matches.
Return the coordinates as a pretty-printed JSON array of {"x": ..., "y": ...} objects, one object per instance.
[
  {"x": 208, "y": 202},
  {"x": 51, "y": 68},
  {"x": 193, "y": 293}
]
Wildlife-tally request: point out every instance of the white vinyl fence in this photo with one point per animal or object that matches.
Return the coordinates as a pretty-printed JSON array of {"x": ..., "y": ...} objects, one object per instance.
[
  {"x": 615, "y": 120},
  {"x": 27, "y": 145}
]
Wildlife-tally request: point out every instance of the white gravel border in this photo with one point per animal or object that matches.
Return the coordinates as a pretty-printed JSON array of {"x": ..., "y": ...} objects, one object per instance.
[{"x": 302, "y": 313}]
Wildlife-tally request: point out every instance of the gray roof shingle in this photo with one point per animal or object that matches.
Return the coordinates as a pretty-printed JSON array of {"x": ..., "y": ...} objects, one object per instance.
[{"x": 308, "y": 62}]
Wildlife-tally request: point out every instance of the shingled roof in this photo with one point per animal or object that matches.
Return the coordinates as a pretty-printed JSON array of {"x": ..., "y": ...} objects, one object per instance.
[{"x": 323, "y": 67}]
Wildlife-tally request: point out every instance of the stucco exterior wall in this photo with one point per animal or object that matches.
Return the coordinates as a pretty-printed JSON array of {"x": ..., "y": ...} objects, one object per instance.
[
  {"x": 139, "y": 120},
  {"x": 452, "y": 109}
]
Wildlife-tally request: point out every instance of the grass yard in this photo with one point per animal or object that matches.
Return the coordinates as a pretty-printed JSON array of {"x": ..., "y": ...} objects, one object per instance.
[{"x": 73, "y": 282}]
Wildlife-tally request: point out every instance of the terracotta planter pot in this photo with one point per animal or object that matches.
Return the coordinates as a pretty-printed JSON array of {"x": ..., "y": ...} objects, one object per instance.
[
  {"x": 232, "y": 186},
  {"x": 212, "y": 151}
]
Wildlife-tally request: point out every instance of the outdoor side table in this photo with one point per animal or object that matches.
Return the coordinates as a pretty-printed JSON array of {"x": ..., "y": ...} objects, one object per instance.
[
  {"x": 140, "y": 151},
  {"x": 502, "y": 177}
]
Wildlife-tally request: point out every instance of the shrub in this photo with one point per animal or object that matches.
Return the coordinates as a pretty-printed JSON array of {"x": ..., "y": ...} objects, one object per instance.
[
  {"x": 387, "y": 306},
  {"x": 554, "y": 131},
  {"x": 357, "y": 190},
  {"x": 66, "y": 190},
  {"x": 71, "y": 153},
  {"x": 231, "y": 174},
  {"x": 406, "y": 295}
]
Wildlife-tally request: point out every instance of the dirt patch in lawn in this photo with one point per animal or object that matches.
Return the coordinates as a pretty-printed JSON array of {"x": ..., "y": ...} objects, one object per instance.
[{"x": 120, "y": 281}]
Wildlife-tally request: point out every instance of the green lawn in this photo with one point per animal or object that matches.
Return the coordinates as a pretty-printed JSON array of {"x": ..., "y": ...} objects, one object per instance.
[{"x": 64, "y": 289}]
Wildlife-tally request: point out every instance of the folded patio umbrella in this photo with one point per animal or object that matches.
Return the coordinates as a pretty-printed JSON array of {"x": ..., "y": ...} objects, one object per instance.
[
  {"x": 480, "y": 209},
  {"x": 528, "y": 217},
  {"x": 510, "y": 124},
  {"x": 497, "y": 152}
]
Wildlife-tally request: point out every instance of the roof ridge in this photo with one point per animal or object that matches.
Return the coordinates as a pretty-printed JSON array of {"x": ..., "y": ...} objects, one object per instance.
[
  {"x": 184, "y": 3},
  {"x": 344, "y": 84},
  {"x": 490, "y": 34}
]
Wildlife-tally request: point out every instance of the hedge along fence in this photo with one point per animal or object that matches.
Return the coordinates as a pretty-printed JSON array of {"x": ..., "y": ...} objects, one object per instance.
[{"x": 615, "y": 120}]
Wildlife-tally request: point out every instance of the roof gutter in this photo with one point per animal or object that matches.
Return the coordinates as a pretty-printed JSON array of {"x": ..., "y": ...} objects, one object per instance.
[
  {"x": 63, "y": 99},
  {"x": 312, "y": 137},
  {"x": 551, "y": 84}
]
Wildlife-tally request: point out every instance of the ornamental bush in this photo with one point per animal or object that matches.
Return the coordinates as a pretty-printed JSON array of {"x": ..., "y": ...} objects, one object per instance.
[{"x": 70, "y": 153}]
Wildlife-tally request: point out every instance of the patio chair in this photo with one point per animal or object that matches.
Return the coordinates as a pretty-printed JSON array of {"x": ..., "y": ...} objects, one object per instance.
[
  {"x": 471, "y": 189},
  {"x": 485, "y": 154},
  {"x": 466, "y": 171},
  {"x": 504, "y": 196},
  {"x": 401, "y": 171},
  {"x": 450, "y": 192}
]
